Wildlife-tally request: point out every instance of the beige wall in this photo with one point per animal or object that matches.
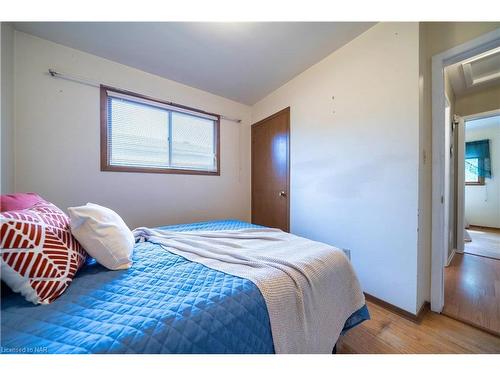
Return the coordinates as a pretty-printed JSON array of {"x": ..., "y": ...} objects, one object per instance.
[
  {"x": 485, "y": 100},
  {"x": 7, "y": 107},
  {"x": 57, "y": 142},
  {"x": 354, "y": 159}
]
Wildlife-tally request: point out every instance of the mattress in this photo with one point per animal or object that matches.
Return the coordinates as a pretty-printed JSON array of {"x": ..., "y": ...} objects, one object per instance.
[{"x": 162, "y": 304}]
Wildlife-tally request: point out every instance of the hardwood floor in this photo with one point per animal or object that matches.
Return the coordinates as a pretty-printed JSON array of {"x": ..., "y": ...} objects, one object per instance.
[
  {"x": 485, "y": 242},
  {"x": 388, "y": 333},
  {"x": 472, "y": 291}
]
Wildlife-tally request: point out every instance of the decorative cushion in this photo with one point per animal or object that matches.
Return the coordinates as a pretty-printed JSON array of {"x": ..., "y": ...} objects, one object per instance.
[
  {"x": 39, "y": 256},
  {"x": 104, "y": 234},
  {"x": 18, "y": 201}
]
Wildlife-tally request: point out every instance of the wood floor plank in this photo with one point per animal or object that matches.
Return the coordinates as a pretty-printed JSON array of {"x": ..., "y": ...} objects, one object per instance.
[
  {"x": 472, "y": 291},
  {"x": 388, "y": 333}
]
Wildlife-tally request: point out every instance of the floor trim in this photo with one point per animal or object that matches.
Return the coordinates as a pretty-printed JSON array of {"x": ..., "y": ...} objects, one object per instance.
[{"x": 405, "y": 314}]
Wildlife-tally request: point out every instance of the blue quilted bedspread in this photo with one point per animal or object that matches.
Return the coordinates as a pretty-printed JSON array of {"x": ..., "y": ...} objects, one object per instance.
[{"x": 162, "y": 304}]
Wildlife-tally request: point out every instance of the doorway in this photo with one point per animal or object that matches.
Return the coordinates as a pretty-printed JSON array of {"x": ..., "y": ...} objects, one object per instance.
[
  {"x": 482, "y": 185},
  {"x": 271, "y": 171},
  {"x": 472, "y": 191},
  {"x": 462, "y": 53}
]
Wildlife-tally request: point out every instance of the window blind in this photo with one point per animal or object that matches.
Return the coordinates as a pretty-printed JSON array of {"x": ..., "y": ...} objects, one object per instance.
[
  {"x": 480, "y": 150},
  {"x": 143, "y": 133}
]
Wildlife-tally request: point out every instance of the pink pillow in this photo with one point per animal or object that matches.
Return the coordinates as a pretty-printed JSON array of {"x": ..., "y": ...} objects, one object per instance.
[{"x": 19, "y": 201}]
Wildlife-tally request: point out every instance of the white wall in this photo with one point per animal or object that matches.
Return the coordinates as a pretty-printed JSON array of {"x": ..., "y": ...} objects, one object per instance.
[
  {"x": 57, "y": 142},
  {"x": 354, "y": 172},
  {"x": 482, "y": 203},
  {"x": 7, "y": 107}
]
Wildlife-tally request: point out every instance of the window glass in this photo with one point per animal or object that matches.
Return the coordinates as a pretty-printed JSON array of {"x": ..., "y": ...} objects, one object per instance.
[{"x": 144, "y": 134}]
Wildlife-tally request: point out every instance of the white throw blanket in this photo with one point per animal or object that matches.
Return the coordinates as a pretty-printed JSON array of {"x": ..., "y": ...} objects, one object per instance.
[{"x": 310, "y": 288}]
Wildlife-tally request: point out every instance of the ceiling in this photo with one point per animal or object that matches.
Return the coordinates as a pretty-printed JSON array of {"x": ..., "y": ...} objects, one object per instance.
[
  {"x": 484, "y": 123},
  {"x": 476, "y": 73},
  {"x": 240, "y": 61}
]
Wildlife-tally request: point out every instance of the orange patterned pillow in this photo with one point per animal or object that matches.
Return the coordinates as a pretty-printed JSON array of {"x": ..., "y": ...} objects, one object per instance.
[{"x": 39, "y": 256}]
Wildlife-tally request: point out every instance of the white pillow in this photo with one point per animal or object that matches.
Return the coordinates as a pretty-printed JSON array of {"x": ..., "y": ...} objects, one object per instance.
[{"x": 103, "y": 234}]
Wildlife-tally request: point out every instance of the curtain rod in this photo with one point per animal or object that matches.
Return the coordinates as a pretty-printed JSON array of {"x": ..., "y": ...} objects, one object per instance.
[{"x": 71, "y": 77}]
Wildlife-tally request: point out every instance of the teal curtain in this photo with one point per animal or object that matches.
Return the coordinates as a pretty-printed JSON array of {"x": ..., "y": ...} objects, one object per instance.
[{"x": 480, "y": 150}]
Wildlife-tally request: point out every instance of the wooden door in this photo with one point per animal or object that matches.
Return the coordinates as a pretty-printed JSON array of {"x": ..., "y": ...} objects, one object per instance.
[{"x": 271, "y": 171}]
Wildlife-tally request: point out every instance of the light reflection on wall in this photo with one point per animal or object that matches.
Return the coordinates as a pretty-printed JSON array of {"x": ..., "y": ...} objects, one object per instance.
[{"x": 279, "y": 151}]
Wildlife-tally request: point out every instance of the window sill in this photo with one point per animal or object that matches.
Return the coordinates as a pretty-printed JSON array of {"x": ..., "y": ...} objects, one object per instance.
[
  {"x": 475, "y": 184},
  {"x": 116, "y": 168}
]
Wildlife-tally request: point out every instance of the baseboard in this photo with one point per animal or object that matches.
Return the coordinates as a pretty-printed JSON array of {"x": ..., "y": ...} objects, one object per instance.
[
  {"x": 450, "y": 258},
  {"x": 472, "y": 226},
  {"x": 405, "y": 314}
]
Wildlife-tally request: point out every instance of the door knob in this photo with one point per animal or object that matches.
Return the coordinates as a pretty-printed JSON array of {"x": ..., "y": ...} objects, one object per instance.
[{"x": 282, "y": 194}]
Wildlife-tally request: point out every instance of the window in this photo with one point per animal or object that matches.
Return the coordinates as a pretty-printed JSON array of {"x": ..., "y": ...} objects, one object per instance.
[
  {"x": 477, "y": 162},
  {"x": 471, "y": 172},
  {"x": 140, "y": 134}
]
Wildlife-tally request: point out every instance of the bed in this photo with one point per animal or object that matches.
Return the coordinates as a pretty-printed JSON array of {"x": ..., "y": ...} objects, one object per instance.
[{"x": 163, "y": 304}]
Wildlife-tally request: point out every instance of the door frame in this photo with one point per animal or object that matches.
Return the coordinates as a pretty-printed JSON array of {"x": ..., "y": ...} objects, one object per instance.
[
  {"x": 439, "y": 235},
  {"x": 288, "y": 195},
  {"x": 460, "y": 180},
  {"x": 462, "y": 121},
  {"x": 448, "y": 123}
]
